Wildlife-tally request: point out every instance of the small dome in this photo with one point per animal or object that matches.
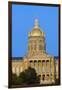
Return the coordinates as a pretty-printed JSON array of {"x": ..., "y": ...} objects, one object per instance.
[{"x": 36, "y": 30}]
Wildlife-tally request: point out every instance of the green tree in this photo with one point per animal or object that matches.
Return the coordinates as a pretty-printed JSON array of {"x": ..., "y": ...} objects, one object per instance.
[
  {"x": 29, "y": 76},
  {"x": 14, "y": 77}
]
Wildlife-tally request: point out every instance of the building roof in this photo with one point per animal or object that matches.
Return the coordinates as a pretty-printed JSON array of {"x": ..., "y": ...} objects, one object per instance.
[{"x": 17, "y": 58}]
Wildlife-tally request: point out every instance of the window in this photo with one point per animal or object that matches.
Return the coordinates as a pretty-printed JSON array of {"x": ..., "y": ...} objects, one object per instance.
[
  {"x": 47, "y": 77},
  {"x": 47, "y": 63},
  {"x": 47, "y": 60},
  {"x": 43, "y": 62},
  {"x": 35, "y": 61},
  {"x": 30, "y": 61},
  {"x": 43, "y": 77},
  {"x": 39, "y": 60}
]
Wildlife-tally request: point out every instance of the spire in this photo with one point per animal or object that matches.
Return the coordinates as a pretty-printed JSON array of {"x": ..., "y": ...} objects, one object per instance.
[{"x": 36, "y": 23}]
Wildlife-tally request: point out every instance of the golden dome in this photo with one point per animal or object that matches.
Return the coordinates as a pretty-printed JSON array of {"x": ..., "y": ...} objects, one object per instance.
[{"x": 36, "y": 30}]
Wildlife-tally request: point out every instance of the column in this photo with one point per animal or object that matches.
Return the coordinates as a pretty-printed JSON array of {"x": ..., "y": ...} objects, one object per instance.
[
  {"x": 39, "y": 67},
  {"x": 52, "y": 69}
]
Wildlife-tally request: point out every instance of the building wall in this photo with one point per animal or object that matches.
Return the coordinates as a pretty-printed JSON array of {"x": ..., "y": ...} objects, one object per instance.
[
  {"x": 19, "y": 66},
  {"x": 44, "y": 67}
]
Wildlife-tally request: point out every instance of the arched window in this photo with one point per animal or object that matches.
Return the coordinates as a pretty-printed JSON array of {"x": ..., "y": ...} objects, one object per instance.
[
  {"x": 31, "y": 61},
  {"x": 47, "y": 62},
  {"x": 35, "y": 61},
  {"x": 39, "y": 60},
  {"x": 43, "y": 61}
]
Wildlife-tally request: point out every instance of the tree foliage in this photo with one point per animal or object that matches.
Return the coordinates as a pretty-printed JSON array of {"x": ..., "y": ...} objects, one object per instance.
[{"x": 29, "y": 76}]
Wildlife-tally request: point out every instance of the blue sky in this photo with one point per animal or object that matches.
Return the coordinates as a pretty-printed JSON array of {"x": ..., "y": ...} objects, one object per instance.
[{"x": 23, "y": 17}]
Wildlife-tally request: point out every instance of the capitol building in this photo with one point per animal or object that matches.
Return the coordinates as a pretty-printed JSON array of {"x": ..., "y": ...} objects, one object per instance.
[{"x": 45, "y": 65}]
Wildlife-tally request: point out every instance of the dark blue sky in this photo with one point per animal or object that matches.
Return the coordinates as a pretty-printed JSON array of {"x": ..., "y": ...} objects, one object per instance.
[{"x": 23, "y": 21}]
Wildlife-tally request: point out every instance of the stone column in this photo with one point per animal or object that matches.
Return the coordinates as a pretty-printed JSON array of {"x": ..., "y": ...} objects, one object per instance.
[
  {"x": 49, "y": 69},
  {"x": 39, "y": 66},
  {"x": 45, "y": 69},
  {"x": 41, "y": 72},
  {"x": 52, "y": 70}
]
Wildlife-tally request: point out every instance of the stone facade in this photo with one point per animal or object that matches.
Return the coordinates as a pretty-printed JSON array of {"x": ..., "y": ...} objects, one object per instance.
[{"x": 45, "y": 65}]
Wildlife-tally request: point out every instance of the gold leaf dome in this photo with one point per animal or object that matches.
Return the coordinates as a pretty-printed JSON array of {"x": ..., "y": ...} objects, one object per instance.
[{"x": 36, "y": 30}]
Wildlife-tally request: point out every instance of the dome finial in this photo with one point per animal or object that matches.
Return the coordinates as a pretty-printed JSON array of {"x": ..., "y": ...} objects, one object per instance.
[{"x": 36, "y": 23}]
